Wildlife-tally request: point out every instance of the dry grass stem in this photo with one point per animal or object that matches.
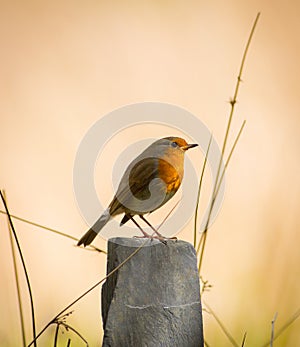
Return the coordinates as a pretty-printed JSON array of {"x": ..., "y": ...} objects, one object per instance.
[
  {"x": 273, "y": 329},
  {"x": 199, "y": 191},
  {"x": 24, "y": 268},
  {"x": 290, "y": 321},
  {"x": 244, "y": 339},
  {"x": 19, "y": 297},
  {"x": 221, "y": 325},
  {"x": 68, "y": 328},
  {"x": 218, "y": 180},
  {"x": 91, "y": 247}
]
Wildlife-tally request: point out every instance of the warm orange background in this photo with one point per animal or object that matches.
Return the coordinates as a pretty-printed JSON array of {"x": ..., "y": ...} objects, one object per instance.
[{"x": 64, "y": 64}]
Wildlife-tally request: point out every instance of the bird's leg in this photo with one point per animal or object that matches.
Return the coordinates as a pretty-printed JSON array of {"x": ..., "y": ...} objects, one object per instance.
[
  {"x": 144, "y": 232},
  {"x": 159, "y": 235},
  {"x": 152, "y": 227}
]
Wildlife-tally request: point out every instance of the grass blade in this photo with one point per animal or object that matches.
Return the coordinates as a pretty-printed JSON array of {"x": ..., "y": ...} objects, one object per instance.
[
  {"x": 24, "y": 268},
  {"x": 204, "y": 233},
  {"x": 273, "y": 329},
  {"x": 244, "y": 339},
  {"x": 294, "y": 317},
  {"x": 199, "y": 191},
  {"x": 20, "y": 305}
]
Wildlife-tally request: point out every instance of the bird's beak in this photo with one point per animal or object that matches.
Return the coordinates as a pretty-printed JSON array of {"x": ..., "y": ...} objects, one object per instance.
[{"x": 185, "y": 148}]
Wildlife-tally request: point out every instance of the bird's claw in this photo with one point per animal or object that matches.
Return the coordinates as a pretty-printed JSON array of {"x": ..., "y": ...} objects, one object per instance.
[{"x": 161, "y": 238}]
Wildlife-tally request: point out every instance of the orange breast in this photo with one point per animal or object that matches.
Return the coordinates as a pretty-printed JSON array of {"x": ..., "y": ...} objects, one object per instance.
[{"x": 170, "y": 175}]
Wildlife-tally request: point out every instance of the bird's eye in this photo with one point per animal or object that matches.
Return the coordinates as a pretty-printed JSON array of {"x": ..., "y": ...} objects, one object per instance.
[{"x": 174, "y": 144}]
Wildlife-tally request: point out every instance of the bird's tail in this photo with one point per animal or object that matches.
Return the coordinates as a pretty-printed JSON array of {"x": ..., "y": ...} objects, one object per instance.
[{"x": 89, "y": 236}]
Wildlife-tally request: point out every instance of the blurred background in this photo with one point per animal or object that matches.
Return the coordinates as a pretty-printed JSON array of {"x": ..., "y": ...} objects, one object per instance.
[{"x": 65, "y": 64}]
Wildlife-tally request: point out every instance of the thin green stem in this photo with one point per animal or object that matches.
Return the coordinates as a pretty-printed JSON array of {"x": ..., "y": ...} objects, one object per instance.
[
  {"x": 203, "y": 239},
  {"x": 56, "y": 335},
  {"x": 199, "y": 244},
  {"x": 229, "y": 157},
  {"x": 244, "y": 339},
  {"x": 199, "y": 191},
  {"x": 20, "y": 305},
  {"x": 24, "y": 268}
]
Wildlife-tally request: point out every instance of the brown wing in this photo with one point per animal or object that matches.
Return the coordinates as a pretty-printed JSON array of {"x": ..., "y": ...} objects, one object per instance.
[
  {"x": 135, "y": 188},
  {"x": 141, "y": 175}
]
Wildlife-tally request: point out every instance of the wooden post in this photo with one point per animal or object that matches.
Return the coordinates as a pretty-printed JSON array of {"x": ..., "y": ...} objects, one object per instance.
[{"x": 154, "y": 299}]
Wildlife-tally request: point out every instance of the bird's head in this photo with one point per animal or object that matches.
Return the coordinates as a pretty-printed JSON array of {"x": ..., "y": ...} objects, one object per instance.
[{"x": 179, "y": 143}]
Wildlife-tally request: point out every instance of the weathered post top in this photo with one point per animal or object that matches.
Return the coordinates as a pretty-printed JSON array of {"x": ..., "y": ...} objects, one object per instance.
[{"x": 153, "y": 299}]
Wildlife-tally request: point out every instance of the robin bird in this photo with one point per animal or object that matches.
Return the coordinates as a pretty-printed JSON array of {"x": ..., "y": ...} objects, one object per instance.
[{"x": 149, "y": 182}]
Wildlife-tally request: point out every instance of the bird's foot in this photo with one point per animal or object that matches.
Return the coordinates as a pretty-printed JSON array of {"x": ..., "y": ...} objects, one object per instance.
[
  {"x": 152, "y": 237},
  {"x": 159, "y": 237}
]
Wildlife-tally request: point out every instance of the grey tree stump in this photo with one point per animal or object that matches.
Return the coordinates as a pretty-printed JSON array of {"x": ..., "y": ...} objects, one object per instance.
[{"x": 154, "y": 299}]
